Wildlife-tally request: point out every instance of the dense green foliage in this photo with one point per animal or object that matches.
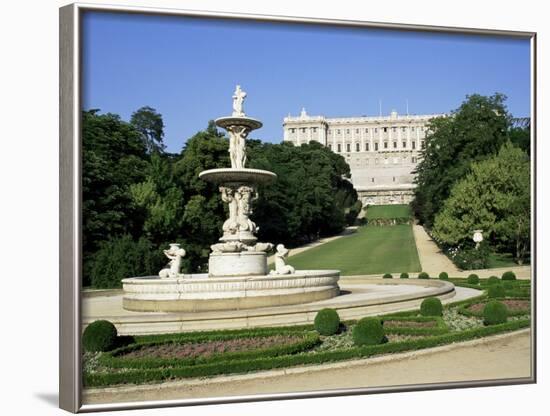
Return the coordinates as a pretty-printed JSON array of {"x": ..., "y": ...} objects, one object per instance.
[
  {"x": 473, "y": 279},
  {"x": 431, "y": 307},
  {"x": 444, "y": 276},
  {"x": 370, "y": 250},
  {"x": 476, "y": 130},
  {"x": 495, "y": 197},
  {"x": 388, "y": 211},
  {"x": 496, "y": 291},
  {"x": 495, "y": 313},
  {"x": 99, "y": 336},
  {"x": 404, "y": 275},
  {"x": 509, "y": 275},
  {"x": 493, "y": 280},
  {"x": 139, "y": 198},
  {"x": 124, "y": 257},
  {"x": 368, "y": 331},
  {"x": 327, "y": 321},
  {"x": 387, "y": 276},
  {"x": 423, "y": 275}
]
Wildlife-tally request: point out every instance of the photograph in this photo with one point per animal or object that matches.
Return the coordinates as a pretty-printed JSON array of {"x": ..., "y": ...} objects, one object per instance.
[{"x": 271, "y": 207}]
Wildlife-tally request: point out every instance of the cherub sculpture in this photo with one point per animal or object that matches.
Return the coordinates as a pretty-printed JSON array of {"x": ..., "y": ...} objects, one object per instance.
[{"x": 175, "y": 253}]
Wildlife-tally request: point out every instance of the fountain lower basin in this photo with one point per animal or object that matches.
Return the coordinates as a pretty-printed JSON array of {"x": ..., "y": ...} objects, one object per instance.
[{"x": 201, "y": 293}]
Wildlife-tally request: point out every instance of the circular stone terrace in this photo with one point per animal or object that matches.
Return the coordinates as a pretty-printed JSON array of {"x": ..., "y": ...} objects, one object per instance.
[{"x": 359, "y": 297}]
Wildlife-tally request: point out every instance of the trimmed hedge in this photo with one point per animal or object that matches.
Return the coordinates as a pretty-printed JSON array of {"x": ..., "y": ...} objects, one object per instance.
[
  {"x": 440, "y": 328},
  {"x": 431, "y": 307},
  {"x": 387, "y": 276},
  {"x": 508, "y": 276},
  {"x": 115, "y": 359},
  {"x": 327, "y": 322},
  {"x": 368, "y": 331},
  {"x": 444, "y": 276},
  {"x": 494, "y": 313},
  {"x": 423, "y": 275},
  {"x": 140, "y": 376},
  {"x": 496, "y": 291},
  {"x": 463, "y": 309},
  {"x": 493, "y": 280},
  {"x": 473, "y": 279},
  {"x": 404, "y": 276},
  {"x": 99, "y": 336}
]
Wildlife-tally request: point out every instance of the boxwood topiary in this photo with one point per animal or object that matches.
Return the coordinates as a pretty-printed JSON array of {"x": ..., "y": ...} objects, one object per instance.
[
  {"x": 99, "y": 336},
  {"x": 327, "y": 322},
  {"x": 431, "y": 307},
  {"x": 368, "y": 331},
  {"x": 404, "y": 276},
  {"x": 473, "y": 279},
  {"x": 444, "y": 276},
  {"x": 388, "y": 276},
  {"x": 494, "y": 313},
  {"x": 423, "y": 275},
  {"x": 496, "y": 291},
  {"x": 509, "y": 275},
  {"x": 493, "y": 280}
]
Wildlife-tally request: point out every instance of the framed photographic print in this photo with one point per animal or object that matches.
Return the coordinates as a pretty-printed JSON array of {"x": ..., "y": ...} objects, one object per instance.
[{"x": 263, "y": 207}]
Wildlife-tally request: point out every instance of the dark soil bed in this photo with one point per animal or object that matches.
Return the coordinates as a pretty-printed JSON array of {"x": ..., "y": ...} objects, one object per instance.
[
  {"x": 409, "y": 324},
  {"x": 205, "y": 349},
  {"x": 512, "y": 304}
]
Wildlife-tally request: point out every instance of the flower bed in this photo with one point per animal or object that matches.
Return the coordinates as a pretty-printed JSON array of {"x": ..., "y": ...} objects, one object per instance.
[{"x": 516, "y": 307}]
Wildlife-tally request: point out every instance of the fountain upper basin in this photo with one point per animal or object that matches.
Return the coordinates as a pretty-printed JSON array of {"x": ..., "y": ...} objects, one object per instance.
[{"x": 227, "y": 175}]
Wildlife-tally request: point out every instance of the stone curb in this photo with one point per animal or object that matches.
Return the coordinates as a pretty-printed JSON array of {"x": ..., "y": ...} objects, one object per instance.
[{"x": 303, "y": 369}]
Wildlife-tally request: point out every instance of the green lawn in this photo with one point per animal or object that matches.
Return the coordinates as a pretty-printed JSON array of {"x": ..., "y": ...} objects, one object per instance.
[
  {"x": 371, "y": 250},
  {"x": 388, "y": 211},
  {"x": 497, "y": 260}
]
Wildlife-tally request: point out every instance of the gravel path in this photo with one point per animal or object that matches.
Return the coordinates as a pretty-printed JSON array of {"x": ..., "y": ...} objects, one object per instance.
[{"x": 497, "y": 357}]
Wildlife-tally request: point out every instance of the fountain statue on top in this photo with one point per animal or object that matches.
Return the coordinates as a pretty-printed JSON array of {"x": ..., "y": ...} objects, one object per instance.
[{"x": 238, "y": 253}]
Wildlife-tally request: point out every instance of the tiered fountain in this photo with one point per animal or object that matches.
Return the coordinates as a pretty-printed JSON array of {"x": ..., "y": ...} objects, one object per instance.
[{"x": 238, "y": 275}]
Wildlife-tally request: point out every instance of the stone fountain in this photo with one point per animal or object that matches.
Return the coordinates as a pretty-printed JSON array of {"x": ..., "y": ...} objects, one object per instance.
[{"x": 238, "y": 276}]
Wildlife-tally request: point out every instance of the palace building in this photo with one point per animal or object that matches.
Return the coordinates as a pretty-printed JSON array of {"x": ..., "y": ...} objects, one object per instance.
[{"x": 382, "y": 152}]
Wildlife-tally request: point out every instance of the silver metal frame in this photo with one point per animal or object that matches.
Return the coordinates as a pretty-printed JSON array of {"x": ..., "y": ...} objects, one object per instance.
[{"x": 70, "y": 259}]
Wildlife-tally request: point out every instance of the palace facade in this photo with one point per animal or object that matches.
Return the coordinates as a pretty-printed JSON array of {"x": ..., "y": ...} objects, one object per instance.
[{"x": 382, "y": 152}]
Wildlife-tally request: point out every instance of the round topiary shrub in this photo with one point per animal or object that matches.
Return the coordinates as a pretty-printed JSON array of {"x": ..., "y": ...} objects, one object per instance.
[
  {"x": 508, "y": 276},
  {"x": 431, "y": 307},
  {"x": 423, "y": 275},
  {"x": 387, "y": 276},
  {"x": 494, "y": 313},
  {"x": 473, "y": 279},
  {"x": 404, "y": 276},
  {"x": 99, "y": 336},
  {"x": 368, "y": 331},
  {"x": 493, "y": 280},
  {"x": 496, "y": 291},
  {"x": 444, "y": 276},
  {"x": 327, "y": 322}
]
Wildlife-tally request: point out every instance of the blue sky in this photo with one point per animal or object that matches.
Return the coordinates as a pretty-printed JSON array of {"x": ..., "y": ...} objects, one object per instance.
[{"x": 187, "y": 69}]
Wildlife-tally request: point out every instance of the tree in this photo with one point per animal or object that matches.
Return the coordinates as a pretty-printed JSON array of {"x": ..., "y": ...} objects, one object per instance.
[
  {"x": 494, "y": 197},
  {"x": 113, "y": 159},
  {"x": 149, "y": 123},
  {"x": 473, "y": 132}
]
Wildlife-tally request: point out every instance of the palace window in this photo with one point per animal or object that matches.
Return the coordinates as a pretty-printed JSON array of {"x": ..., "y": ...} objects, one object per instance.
[
  {"x": 385, "y": 129},
  {"x": 357, "y": 147},
  {"x": 293, "y": 130},
  {"x": 329, "y": 132},
  {"x": 348, "y": 147},
  {"x": 337, "y": 131},
  {"x": 357, "y": 131},
  {"x": 330, "y": 146},
  {"x": 372, "y": 179},
  {"x": 403, "y": 128},
  {"x": 314, "y": 129},
  {"x": 404, "y": 144},
  {"x": 394, "y": 178},
  {"x": 366, "y": 147},
  {"x": 347, "y": 131},
  {"x": 395, "y": 145},
  {"x": 413, "y": 145},
  {"x": 339, "y": 148},
  {"x": 422, "y": 144},
  {"x": 412, "y": 128},
  {"x": 303, "y": 129},
  {"x": 385, "y": 145},
  {"x": 376, "y": 129},
  {"x": 394, "y": 128},
  {"x": 376, "y": 146},
  {"x": 366, "y": 130}
]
